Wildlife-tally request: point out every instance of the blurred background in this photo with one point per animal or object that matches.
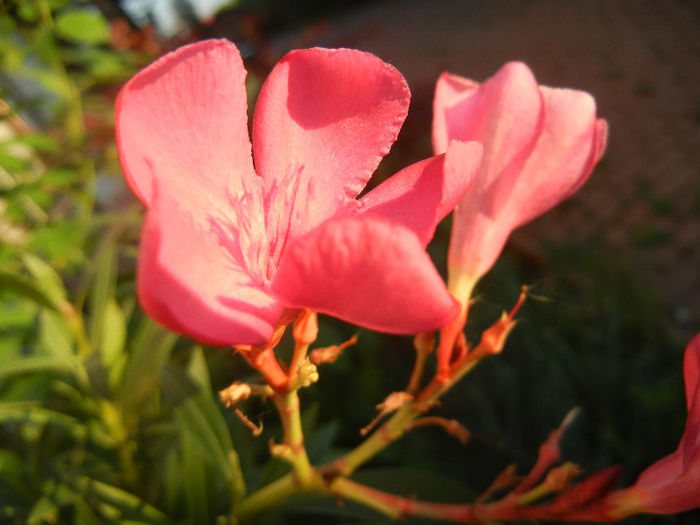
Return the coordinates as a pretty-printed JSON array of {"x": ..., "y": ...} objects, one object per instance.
[{"x": 107, "y": 418}]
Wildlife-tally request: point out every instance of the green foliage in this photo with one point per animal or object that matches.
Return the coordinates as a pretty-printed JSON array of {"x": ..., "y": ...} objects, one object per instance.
[
  {"x": 83, "y": 26},
  {"x": 100, "y": 421}
]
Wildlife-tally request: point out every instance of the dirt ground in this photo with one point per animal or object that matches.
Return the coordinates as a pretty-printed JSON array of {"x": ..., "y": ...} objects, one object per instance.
[{"x": 641, "y": 61}]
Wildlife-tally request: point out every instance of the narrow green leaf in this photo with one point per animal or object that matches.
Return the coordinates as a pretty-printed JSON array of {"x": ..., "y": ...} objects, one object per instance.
[
  {"x": 130, "y": 506},
  {"x": 113, "y": 333},
  {"x": 210, "y": 409},
  {"x": 54, "y": 336},
  {"x": 194, "y": 479},
  {"x": 39, "y": 141},
  {"x": 43, "y": 511},
  {"x": 172, "y": 481},
  {"x": 47, "y": 280},
  {"x": 26, "y": 288},
  {"x": 84, "y": 515},
  {"x": 27, "y": 413},
  {"x": 32, "y": 364},
  {"x": 149, "y": 353},
  {"x": 85, "y": 26},
  {"x": 101, "y": 293},
  {"x": 195, "y": 413}
]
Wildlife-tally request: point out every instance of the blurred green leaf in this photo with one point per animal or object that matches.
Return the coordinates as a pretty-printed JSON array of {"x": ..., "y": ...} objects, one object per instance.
[
  {"x": 149, "y": 353},
  {"x": 194, "y": 478},
  {"x": 13, "y": 163},
  {"x": 84, "y": 515},
  {"x": 197, "y": 412},
  {"x": 60, "y": 242},
  {"x": 101, "y": 292},
  {"x": 129, "y": 506},
  {"x": 38, "y": 141},
  {"x": 26, "y": 288},
  {"x": 112, "y": 341},
  {"x": 31, "y": 364},
  {"x": 54, "y": 336},
  {"x": 43, "y": 511},
  {"x": 48, "y": 281},
  {"x": 28, "y": 12},
  {"x": 84, "y": 26},
  {"x": 11, "y": 464},
  {"x": 33, "y": 414}
]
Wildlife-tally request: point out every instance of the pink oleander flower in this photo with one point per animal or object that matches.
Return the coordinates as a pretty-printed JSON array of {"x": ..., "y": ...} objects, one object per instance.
[
  {"x": 230, "y": 251},
  {"x": 672, "y": 484},
  {"x": 540, "y": 145}
]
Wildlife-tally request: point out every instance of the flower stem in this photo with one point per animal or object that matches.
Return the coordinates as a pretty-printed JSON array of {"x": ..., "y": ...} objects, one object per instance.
[
  {"x": 295, "y": 453},
  {"x": 398, "y": 507},
  {"x": 268, "y": 496}
]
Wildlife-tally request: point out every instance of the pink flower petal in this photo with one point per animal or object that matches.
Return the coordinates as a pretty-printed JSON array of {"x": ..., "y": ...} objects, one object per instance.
[
  {"x": 691, "y": 373},
  {"x": 540, "y": 145},
  {"x": 366, "y": 270},
  {"x": 182, "y": 123},
  {"x": 192, "y": 278},
  {"x": 324, "y": 119},
  {"x": 601, "y": 137},
  {"x": 672, "y": 484},
  {"x": 505, "y": 114},
  {"x": 562, "y": 158},
  {"x": 450, "y": 90},
  {"x": 421, "y": 195}
]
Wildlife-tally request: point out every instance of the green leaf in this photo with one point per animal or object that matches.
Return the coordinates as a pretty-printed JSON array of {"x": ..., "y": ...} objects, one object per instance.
[
  {"x": 39, "y": 141},
  {"x": 196, "y": 412},
  {"x": 11, "y": 464},
  {"x": 112, "y": 341},
  {"x": 48, "y": 281},
  {"x": 43, "y": 511},
  {"x": 83, "y": 26},
  {"x": 60, "y": 242},
  {"x": 149, "y": 353},
  {"x": 101, "y": 293},
  {"x": 54, "y": 336},
  {"x": 12, "y": 163},
  {"x": 28, "y": 413},
  {"x": 33, "y": 364},
  {"x": 26, "y": 288},
  {"x": 129, "y": 506},
  {"x": 194, "y": 478},
  {"x": 28, "y": 12}
]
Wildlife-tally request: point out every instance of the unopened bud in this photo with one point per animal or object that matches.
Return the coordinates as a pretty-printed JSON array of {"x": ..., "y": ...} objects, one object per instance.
[
  {"x": 559, "y": 477},
  {"x": 494, "y": 338},
  {"x": 305, "y": 328},
  {"x": 329, "y": 354}
]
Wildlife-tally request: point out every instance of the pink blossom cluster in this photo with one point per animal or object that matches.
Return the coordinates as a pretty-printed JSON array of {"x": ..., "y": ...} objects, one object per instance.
[{"x": 243, "y": 232}]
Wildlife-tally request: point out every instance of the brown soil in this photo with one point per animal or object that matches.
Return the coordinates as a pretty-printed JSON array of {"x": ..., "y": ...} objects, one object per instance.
[{"x": 641, "y": 61}]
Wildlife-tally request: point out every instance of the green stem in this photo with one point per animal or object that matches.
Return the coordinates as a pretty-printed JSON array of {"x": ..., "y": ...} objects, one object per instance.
[
  {"x": 389, "y": 431},
  {"x": 397, "y": 425},
  {"x": 303, "y": 478},
  {"x": 288, "y": 408},
  {"x": 268, "y": 496}
]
